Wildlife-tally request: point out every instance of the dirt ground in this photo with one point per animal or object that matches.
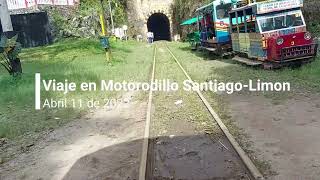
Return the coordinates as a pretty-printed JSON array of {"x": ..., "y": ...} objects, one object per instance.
[
  {"x": 198, "y": 157},
  {"x": 106, "y": 144},
  {"x": 286, "y": 134}
]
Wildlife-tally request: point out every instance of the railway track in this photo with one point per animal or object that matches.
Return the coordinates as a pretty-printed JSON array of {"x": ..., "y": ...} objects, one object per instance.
[{"x": 147, "y": 148}]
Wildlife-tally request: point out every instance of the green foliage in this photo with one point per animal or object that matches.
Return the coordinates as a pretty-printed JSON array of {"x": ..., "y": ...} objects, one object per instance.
[
  {"x": 311, "y": 14},
  {"x": 119, "y": 12},
  {"x": 59, "y": 20},
  {"x": 184, "y": 9},
  {"x": 83, "y": 21},
  {"x": 118, "y": 9},
  {"x": 10, "y": 49}
]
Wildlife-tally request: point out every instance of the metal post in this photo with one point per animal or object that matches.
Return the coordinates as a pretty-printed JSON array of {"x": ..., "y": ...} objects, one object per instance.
[
  {"x": 5, "y": 17},
  {"x": 103, "y": 26},
  {"x": 102, "y": 20},
  {"x": 104, "y": 34},
  {"x": 205, "y": 26}
]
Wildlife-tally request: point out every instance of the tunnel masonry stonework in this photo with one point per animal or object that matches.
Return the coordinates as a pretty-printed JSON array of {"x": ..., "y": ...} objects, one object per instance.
[{"x": 139, "y": 12}]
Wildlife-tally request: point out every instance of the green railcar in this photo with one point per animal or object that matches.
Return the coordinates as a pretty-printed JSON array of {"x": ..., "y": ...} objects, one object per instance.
[{"x": 194, "y": 36}]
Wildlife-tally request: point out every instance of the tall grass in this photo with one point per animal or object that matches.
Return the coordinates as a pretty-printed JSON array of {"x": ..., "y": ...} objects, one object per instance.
[{"x": 78, "y": 60}]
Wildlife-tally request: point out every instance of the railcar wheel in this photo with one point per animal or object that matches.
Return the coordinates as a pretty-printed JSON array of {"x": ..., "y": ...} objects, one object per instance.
[{"x": 268, "y": 66}]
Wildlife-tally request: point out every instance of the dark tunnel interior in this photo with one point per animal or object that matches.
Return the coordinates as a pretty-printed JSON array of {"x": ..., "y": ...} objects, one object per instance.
[{"x": 159, "y": 24}]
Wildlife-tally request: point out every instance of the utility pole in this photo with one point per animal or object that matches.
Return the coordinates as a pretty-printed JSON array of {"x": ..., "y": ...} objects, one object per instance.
[
  {"x": 5, "y": 17},
  {"x": 111, "y": 17}
]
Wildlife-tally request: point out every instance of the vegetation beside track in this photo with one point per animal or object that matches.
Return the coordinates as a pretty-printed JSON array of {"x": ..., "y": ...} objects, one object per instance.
[
  {"x": 204, "y": 67},
  {"x": 78, "y": 60}
]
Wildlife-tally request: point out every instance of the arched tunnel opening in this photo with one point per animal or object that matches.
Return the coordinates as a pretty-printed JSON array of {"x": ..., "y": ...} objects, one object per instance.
[{"x": 159, "y": 24}]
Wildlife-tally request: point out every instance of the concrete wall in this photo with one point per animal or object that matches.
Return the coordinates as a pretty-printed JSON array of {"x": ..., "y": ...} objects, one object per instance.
[{"x": 33, "y": 29}]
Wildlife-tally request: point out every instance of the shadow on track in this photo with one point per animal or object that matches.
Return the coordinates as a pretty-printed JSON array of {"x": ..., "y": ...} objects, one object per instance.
[{"x": 179, "y": 157}]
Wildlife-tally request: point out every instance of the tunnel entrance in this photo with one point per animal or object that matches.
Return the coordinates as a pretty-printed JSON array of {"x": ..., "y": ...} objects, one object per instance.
[{"x": 159, "y": 24}]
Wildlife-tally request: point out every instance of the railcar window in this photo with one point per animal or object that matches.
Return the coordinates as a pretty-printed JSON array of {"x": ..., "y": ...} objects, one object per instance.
[
  {"x": 234, "y": 25},
  {"x": 246, "y": 22},
  {"x": 251, "y": 21},
  {"x": 222, "y": 10},
  {"x": 233, "y": 22},
  {"x": 242, "y": 27},
  {"x": 281, "y": 22},
  {"x": 294, "y": 20},
  {"x": 267, "y": 24}
]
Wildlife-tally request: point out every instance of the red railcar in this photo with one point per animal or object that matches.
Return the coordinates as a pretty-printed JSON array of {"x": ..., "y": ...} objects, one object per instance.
[{"x": 271, "y": 33}]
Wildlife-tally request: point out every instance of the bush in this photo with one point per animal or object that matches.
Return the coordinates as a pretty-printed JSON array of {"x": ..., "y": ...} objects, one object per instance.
[{"x": 9, "y": 50}]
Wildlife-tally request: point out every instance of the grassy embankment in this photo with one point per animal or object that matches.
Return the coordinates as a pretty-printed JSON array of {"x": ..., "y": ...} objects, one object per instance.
[
  {"x": 73, "y": 59},
  {"x": 204, "y": 67}
]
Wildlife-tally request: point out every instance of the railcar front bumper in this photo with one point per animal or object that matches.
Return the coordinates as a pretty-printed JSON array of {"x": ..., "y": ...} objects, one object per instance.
[{"x": 300, "y": 52}]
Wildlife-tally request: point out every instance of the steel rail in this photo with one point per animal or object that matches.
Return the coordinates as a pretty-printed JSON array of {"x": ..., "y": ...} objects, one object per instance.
[{"x": 145, "y": 145}]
